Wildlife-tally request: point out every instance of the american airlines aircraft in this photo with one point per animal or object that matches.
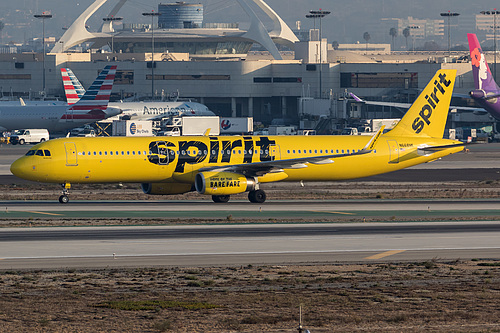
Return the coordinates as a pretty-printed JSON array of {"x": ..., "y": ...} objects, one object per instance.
[
  {"x": 136, "y": 110},
  {"x": 93, "y": 106}
]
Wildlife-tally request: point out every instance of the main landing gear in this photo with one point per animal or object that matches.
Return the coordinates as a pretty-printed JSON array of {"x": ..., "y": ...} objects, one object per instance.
[
  {"x": 256, "y": 196},
  {"x": 64, "y": 197}
]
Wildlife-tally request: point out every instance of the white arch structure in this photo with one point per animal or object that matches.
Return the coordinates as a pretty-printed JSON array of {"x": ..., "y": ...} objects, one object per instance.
[{"x": 281, "y": 33}]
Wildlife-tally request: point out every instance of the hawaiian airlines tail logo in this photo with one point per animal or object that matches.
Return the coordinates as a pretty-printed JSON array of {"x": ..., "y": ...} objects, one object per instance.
[{"x": 478, "y": 60}]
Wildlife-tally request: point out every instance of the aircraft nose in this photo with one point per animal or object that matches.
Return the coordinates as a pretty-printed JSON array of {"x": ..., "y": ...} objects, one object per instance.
[
  {"x": 112, "y": 111},
  {"x": 19, "y": 168}
]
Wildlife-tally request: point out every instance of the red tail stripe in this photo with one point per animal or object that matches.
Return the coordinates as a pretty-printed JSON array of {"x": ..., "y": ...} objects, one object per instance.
[
  {"x": 101, "y": 98},
  {"x": 89, "y": 107}
]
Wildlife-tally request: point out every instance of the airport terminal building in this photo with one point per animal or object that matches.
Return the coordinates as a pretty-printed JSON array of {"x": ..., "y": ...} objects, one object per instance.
[{"x": 213, "y": 64}]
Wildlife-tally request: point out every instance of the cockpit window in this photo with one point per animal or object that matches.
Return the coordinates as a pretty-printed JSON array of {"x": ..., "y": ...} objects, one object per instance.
[
  {"x": 47, "y": 152},
  {"x": 31, "y": 152},
  {"x": 39, "y": 152}
]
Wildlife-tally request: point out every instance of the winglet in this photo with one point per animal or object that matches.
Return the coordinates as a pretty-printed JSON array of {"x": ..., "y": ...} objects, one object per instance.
[
  {"x": 369, "y": 146},
  {"x": 207, "y": 132},
  {"x": 356, "y": 98}
]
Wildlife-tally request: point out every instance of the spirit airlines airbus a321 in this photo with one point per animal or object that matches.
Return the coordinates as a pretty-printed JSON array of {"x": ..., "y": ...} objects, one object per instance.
[{"x": 225, "y": 165}]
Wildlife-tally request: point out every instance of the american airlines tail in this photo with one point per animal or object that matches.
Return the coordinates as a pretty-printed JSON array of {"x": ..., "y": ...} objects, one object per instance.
[
  {"x": 427, "y": 116},
  {"x": 72, "y": 86},
  {"x": 97, "y": 96}
]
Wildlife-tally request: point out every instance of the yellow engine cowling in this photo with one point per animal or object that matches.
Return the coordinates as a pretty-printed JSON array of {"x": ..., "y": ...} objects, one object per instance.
[
  {"x": 166, "y": 188},
  {"x": 223, "y": 183}
]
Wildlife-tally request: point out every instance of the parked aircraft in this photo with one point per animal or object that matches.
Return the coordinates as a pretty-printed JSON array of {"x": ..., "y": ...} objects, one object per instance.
[
  {"x": 221, "y": 166},
  {"x": 486, "y": 92},
  {"x": 93, "y": 106},
  {"x": 136, "y": 110}
]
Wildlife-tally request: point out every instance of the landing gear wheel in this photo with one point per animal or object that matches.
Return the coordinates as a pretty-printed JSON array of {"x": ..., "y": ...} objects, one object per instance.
[
  {"x": 21, "y": 142},
  {"x": 257, "y": 196},
  {"x": 63, "y": 199},
  {"x": 220, "y": 198},
  {"x": 65, "y": 191}
]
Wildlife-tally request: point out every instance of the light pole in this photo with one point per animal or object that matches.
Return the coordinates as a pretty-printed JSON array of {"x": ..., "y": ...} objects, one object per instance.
[
  {"x": 413, "y": 35},
  {"x": 111, "y": 19},
  {"x": 449, "y": 15},
  {"x": 43, "y": 16},
  {"x": 152, "y": 14},
  {"x": 493, "y": 12},
  {"x": 314, "y": 14}
]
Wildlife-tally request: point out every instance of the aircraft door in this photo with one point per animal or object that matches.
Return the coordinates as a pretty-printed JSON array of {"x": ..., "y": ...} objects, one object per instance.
[
  {"x": 274, "y": 152},
  {"x": 71, "y": 155},
  {"x": 393, "y": 151}
]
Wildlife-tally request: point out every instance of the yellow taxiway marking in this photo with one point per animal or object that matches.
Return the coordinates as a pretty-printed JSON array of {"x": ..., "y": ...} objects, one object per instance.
[
  {"x": 324, "y": 211},
  {"x": 385, "y": 254},
  {"x": 45, "y": 213}
]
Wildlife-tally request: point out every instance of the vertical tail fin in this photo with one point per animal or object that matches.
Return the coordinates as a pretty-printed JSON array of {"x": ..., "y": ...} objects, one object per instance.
[
  {"x": 72, "y": 86},
  {"x": 483, "y": 79},
  {"x": 97, "y": 96},
  {"x": 427, "y": 115}
]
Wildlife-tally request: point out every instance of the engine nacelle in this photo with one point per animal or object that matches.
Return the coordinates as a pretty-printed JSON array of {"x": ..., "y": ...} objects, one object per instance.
[
  {"x": 223, "y": 183},
  {"x": 166, "y": 188},
  {"x": 477, "y": 94}
]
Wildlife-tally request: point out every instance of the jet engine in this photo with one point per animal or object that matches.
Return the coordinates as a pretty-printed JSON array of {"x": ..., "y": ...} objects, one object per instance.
[
  {"x": 223, "y": 183},
  {"x": 477, "y": 93},
  {"x": 166, "y": 188}
]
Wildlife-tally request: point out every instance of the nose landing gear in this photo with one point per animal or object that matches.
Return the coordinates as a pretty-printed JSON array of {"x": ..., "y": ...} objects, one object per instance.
[{"x": 64, "y": 197}]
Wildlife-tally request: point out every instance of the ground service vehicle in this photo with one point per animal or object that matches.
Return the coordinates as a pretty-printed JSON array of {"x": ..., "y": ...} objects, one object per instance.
[{"x": 32, "y": 135}]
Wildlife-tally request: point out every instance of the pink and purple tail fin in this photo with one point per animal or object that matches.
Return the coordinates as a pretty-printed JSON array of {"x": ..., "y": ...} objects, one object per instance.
[{"x": 483, "y": 79}]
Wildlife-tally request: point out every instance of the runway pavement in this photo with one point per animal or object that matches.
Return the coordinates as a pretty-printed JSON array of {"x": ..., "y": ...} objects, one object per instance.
[
  {"x": 292, "y": 210},
  {"x": 49, "y": 248}
]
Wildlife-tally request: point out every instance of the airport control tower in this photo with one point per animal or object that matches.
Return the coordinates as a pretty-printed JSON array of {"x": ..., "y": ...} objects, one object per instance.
[{"x": 180, "y": 15}]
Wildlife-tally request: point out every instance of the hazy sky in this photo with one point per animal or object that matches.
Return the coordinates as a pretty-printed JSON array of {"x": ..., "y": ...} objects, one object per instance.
[{"x": 346, "y": 23}]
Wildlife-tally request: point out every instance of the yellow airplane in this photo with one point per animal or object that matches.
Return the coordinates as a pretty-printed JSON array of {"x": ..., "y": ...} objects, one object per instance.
[{"x": 225, "y": 165}]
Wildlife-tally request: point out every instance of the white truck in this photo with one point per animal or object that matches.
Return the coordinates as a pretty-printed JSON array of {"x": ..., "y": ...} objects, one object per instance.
[
  {"x": 282, "y": 130},
  {"x": 371, "y": 126},
  {"x": 132, "y": 128},
  {"x": 191, "y": 125},
  {"x": 32, "y": 135},
  {"x": 237, "y": 125}
]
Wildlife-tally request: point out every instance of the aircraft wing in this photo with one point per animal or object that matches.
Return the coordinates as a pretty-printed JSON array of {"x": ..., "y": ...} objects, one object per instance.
[
  {"x": 258, "y": 169},
  {"x": 407, "y": 105}
]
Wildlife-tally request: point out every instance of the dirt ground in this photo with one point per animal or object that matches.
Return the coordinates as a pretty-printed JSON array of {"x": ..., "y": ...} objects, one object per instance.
[
  {"x": 430, "y": 296},
  {"x": 275, "y": 191}
]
